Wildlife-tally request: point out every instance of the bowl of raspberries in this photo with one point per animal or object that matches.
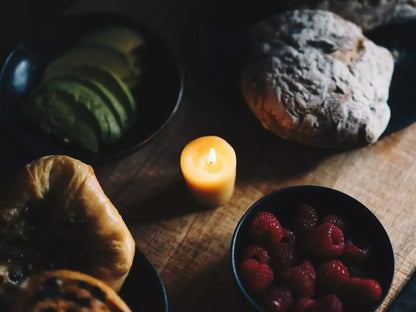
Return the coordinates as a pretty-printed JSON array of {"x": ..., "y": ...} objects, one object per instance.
[{"x": 311, "y": 249}]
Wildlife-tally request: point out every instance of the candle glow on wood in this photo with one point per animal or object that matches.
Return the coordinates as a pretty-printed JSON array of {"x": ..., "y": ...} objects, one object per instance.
[{"x": 208, "y": 166}]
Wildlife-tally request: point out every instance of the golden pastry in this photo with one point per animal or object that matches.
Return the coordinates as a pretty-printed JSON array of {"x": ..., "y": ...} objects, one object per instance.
[
  {"x": 62, "y": 291},
  {"x": 56, "y": 216}
]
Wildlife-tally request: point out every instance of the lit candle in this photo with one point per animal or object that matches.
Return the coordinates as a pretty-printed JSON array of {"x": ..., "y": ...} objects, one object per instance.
[{"x": 208, "y": 166}]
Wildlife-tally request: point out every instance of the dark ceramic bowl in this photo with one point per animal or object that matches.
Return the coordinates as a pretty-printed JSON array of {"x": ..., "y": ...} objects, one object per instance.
[
  {"x": 364, "y": 228},
  {"x": 158, "y": 97},
  {"x": 143, "y": 290}
]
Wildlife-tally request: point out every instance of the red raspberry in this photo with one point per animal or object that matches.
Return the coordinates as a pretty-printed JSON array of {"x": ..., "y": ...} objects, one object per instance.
[
  {"x": 355, "y": 255},
  {"x": 301, "y": 279},
  {"x": 266, "y": 228},
  {"x": 278, "y": 299},
  {"x": 255, "y": 252},
  {"x": 289, "y": 237},
  {"x": 360, "y": 292},
  {"x": 255, "y": 276},
  {"x": 306, "y": 218},
  {"x": 332, "y": 274},
  {"x": 335, "y": 220},
  {"x": 329, "y": 303},
  {"x": 283, "y": 256},
  {"x": 324, "y": 241},
  {"x": 303, "y": 305}
]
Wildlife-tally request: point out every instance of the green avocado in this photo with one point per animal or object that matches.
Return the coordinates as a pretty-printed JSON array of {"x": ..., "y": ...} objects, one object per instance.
[
  {"x": 119, "y": 37},
  {"x": 109, "y": 128},
  {"x": 57, "y": 114},
  {"x": 100, "y": 56},
  {"x": 106, "y": 96},
  {"x": 125, "y": 40},
  {"x": 115, "y": 89}
]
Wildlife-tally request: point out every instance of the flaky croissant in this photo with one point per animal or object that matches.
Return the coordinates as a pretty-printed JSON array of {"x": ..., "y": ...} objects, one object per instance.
[{"x": 56, "y": 216}]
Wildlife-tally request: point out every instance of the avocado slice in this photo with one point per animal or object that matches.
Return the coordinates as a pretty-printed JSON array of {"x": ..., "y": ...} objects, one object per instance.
[
  {"x": 120, "y": 93},
  {"x": 124, "y": 39},
  {"x": 106, "y": 96},
  {"x": 100, "y": 56},
  {"x": 119, "y": 37},
  {"x": 110, "y": 130},
  {"x": 57, "y": 114}
]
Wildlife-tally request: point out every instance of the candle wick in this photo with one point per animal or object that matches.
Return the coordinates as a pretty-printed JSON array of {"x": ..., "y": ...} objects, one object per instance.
[{"x": 212, "y": 157}]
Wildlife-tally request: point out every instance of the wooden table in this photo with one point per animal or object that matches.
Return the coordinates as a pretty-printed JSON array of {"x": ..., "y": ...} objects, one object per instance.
[{"x": 190, "y": 246}]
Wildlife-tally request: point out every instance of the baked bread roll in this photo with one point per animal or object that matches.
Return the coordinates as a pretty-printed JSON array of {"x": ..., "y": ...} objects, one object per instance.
[
  {"x": 56, "y": 216},
  {"x": 314, "y": 78},
  {"x": 366, "y": 13},
  {"x": 62, "y": 291}
]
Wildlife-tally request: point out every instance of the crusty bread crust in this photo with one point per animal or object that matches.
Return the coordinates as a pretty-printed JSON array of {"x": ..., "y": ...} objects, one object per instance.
[
  {"x": 101, "y": 245},
  {"x": 314, "y": 78}
]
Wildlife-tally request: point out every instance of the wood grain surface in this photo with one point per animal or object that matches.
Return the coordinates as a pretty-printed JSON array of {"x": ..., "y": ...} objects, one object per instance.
[{"x": 190, "y": 246}]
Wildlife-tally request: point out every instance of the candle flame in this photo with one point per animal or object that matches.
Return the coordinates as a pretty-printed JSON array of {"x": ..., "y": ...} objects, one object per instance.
[{"x": 212, "y": 157}]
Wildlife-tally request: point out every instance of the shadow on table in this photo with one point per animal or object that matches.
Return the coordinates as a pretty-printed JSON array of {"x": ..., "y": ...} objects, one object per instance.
[
  {"x": 172, "y": 201},
  {"x": 214, "y": 290},
  {"x": 269, "y": 158}
]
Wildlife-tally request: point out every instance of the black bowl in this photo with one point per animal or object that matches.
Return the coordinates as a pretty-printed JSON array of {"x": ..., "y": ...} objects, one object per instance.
[
  {"x": 143, "y": 290},
  {"x": 365, "y": 229},
  {"x": 158, "y": 97}
]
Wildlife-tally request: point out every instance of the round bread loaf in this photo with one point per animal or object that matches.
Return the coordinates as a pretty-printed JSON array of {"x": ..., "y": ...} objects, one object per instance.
[
  {"x": 315, "y": 79},
  {"x": 365, "y": 13},
  {"x": 56, "y": 216},
  {"x": 63, "y": 291}
]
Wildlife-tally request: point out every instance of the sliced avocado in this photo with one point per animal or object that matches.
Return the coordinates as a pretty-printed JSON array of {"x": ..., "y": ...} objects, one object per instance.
[
  {"x": 56, "y": 114},
  {"x": 134, "y": 62},
  {"x": 118, "y": 37},
  {"x": 100, "y": 56},
  {"x": 108, "y": 98},
  {"x": 124, "y": 39},
  {"x": 120, "y": 91},
  {"x": 109, "y": 128}
]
